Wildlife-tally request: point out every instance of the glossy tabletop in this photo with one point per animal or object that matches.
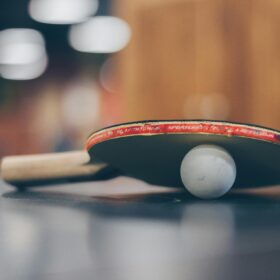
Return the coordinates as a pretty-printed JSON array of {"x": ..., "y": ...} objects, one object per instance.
[{"x": 124, "y": 229}]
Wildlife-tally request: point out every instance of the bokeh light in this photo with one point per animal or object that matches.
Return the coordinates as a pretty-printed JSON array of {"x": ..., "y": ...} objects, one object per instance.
[
  {"x": 62, "y": 11},
  {"x": 81, "y": 105},
  {"x": 22, "y": 54},
  {"x": 100, "y": 34}
]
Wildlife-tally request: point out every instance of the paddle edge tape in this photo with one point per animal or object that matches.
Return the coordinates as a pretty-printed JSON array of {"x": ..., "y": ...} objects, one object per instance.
[{"x": 149, "y": 128}]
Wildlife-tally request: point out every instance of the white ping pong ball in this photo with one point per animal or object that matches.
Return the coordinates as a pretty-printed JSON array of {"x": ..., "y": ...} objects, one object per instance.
[{"x": 208, "y": 171}]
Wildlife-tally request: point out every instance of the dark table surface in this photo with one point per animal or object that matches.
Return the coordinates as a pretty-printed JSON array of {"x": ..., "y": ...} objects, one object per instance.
[{"x": 124, "y": 229}]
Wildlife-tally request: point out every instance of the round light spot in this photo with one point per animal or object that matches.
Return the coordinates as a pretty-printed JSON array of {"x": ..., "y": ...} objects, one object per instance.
[
  {"x": 102, "y": 34},
  {"x": 62, "y": 11}
]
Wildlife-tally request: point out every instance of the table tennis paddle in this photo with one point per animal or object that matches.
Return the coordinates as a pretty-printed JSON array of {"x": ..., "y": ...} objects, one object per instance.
[{"x": 152, "y": 151}]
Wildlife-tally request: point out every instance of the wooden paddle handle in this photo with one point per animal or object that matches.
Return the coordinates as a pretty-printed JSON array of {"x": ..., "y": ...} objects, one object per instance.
[{"x": 37, "y": 170}]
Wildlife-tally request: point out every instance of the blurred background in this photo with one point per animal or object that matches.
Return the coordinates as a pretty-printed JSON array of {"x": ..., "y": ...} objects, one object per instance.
[{"x": 69, "y": 67}]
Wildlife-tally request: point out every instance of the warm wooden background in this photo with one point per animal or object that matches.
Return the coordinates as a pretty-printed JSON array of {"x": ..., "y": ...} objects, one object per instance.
[
  {"x": 213, "y": 59},
  {"x": 217, "y": 59}
]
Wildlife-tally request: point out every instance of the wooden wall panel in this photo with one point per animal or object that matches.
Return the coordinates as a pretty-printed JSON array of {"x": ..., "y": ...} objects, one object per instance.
[
  {"x": 167, "y": 73},
  {"x": 202, "y": 59},
  {"x": 264, "y": 67}
]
